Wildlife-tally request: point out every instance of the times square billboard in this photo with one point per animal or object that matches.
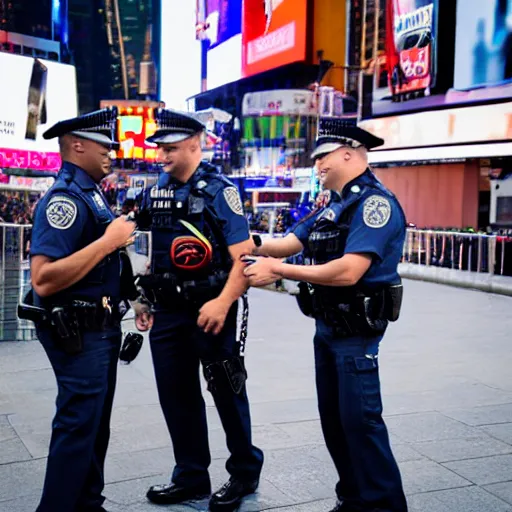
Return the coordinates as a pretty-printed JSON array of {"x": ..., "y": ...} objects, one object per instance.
[
  {"x": 34, "y": 95},
  {"x": 246, "y": 37},
  {"x": 412, "y": 45},
  {"x": 427, "y": 67},
  {"x": 483, "y": 50}
]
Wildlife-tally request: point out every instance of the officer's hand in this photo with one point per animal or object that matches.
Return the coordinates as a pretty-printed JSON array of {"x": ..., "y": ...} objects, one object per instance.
[
  {"x": 143, "y": 317},
  {"x": 119, "y": 232},
  {"x": 212, "y": 316},
  {"x": 261, "y": 271}
]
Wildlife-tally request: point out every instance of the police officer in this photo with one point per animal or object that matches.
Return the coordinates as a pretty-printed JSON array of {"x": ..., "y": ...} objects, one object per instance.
[
  {"x": 353, "y": 290},
  {"x": 75, "y": 272},
  {"x": 198, "y": 233}
]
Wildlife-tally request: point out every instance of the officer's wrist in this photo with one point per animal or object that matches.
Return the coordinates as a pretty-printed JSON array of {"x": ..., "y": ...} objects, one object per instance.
[
  {"x": 105, "y": 246},
  {"x": 257, "y": 251},
  {"x": 279, "y": 268},
  {"x": 226, "y": 301}
]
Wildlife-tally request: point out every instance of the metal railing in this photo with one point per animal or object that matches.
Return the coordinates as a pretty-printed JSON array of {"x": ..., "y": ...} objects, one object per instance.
[
  {"x": 455, "y": 250},
  {"x": 474, "y": 252},
  {"x": 14, "y": 281}
]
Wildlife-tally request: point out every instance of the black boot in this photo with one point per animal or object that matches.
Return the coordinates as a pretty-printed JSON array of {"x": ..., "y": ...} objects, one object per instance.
[
  {"x": 229, "y": 497},
  {"x": 344, "y": 507},
  {"x": 172, "y": 493}
]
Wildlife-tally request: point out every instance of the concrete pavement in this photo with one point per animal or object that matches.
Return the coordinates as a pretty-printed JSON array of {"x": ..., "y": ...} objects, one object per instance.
[{"x": 446, "y": 370}]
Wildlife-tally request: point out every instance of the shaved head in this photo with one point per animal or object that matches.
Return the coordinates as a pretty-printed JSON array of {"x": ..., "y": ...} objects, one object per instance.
[
  {"x": 90, "y": 156},
  {"x": 65, "y": 143}
]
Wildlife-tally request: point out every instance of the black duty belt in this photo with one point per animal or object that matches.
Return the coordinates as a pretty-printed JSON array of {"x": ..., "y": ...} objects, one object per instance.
[
  {"x": 363, "y": 315},
  {"x": 88, "y": 315},
  {"x": 167, "y": 289}
]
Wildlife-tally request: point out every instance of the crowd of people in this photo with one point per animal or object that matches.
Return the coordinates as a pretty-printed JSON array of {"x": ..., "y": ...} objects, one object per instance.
[{"x": 16, "y": 209}]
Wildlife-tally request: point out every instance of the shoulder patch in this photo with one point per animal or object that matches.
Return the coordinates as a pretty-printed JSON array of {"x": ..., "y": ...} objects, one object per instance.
[
  {"x": 61, "y": 212},
  {"x": 232, "y": 197},
  {"x": 376, "y": 211},
  {"x": 328, "y": 214}
]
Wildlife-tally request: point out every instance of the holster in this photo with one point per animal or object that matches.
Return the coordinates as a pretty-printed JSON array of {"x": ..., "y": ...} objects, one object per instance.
[
  {"x": 131, "y": 347},
  {"x": 393, "y": 296},
  {"x": 217, "y": 372},
  {"x": 66, "y": 330},
  {"x": 27, "y": 310},
  {"x": 372, "y": 311},
  {"x": 68, "y": 322},
  {"x": 363, "y": 314},
  {"x": 305, "y": 299},
  {"x": 128, "y": 289}
]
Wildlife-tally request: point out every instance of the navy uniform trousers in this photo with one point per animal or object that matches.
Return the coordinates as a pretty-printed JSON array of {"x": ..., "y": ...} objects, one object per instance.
[
  {"x": 177, "y": 346},
  {"x": 350, "y": 406},
  {"x": 81, "y": 427}
]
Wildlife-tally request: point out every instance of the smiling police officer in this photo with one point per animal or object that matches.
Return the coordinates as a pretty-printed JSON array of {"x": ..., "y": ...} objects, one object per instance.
[
  {"x": 352, "y": 289},
  {"x": 76, "y": 279},
  {"x": 198, "y": 235}
]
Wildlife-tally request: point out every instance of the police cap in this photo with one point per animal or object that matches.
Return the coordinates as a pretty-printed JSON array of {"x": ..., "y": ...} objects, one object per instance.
[
  {"x": 335, "y": 132},
  {"x": 98, "y": 126},
  {"x": 174, "y": 126}
]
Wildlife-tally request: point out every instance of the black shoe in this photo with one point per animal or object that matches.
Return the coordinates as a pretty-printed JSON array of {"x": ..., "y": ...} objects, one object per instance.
[
  {"x": 229, "y": 497},
  {"x": 172, "y": 493},
  {"x": 343, "y": 507}
]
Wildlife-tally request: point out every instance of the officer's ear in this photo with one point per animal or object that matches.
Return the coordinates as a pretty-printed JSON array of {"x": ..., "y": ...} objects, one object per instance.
[
  {"x": 195, "y": 143},
  {"x": 77, "y": 145}
]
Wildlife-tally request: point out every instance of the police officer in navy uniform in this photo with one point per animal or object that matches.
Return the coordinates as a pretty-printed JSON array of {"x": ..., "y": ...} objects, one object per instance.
[
  {"x": 198, "y": 233},
  {"x": 353, "y": 290},
  {"x": 75, "y": 272}
]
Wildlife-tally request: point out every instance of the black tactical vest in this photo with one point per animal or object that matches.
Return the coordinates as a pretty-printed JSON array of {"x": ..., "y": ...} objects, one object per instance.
[{"x": 183, "y": 224}]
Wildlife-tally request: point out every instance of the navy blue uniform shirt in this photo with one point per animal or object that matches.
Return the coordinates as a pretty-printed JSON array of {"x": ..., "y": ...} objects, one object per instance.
[
  {"x": 71, "y": 215},
  {"x": 377, "y": 227}
]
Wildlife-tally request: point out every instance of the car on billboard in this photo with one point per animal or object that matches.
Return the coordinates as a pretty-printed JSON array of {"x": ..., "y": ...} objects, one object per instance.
[
  {"x": 411, "y": 47},
  {"x": 415, "y": 50}
]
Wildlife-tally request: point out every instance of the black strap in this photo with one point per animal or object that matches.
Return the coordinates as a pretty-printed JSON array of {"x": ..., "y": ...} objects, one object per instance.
[
  {"x": 244, "y": 324},
  {"x": 214, "y": 224}
]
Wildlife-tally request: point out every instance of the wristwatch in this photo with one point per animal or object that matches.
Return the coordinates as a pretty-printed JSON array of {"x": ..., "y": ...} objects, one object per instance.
[{"x": 257, "y": 240}]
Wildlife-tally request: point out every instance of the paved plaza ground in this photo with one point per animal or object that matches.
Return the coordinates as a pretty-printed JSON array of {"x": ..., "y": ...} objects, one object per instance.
[{"x": 446, "y": 370}]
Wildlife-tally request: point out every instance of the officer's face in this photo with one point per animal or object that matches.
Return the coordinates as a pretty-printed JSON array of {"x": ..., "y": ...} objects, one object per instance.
[
  {"x": 97, "y": 159},
  {"x": 174, "y": 157},
  {"x": 330, "y": 168}
]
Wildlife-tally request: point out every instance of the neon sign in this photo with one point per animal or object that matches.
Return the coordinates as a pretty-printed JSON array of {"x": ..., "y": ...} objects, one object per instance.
[{"x": 35, "y": 160}]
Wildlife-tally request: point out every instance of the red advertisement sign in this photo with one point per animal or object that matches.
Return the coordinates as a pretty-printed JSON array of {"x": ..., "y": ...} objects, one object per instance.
[
  {"x": 34, "y": 160},
  {"x": 411, "y": 29},
  {"x": 273, "y": 34}
]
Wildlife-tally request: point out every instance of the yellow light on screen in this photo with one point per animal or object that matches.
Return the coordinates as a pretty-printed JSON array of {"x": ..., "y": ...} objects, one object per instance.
[
  {"x": 150, "y": 128},
  {"x": 150, "y": 154}
]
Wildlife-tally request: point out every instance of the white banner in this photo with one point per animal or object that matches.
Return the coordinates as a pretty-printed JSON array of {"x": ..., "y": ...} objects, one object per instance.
[
  {"x": 468, "y": 125},
  {"x": 279, "y": 102},
  {"x": 34, "y": 95}
]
